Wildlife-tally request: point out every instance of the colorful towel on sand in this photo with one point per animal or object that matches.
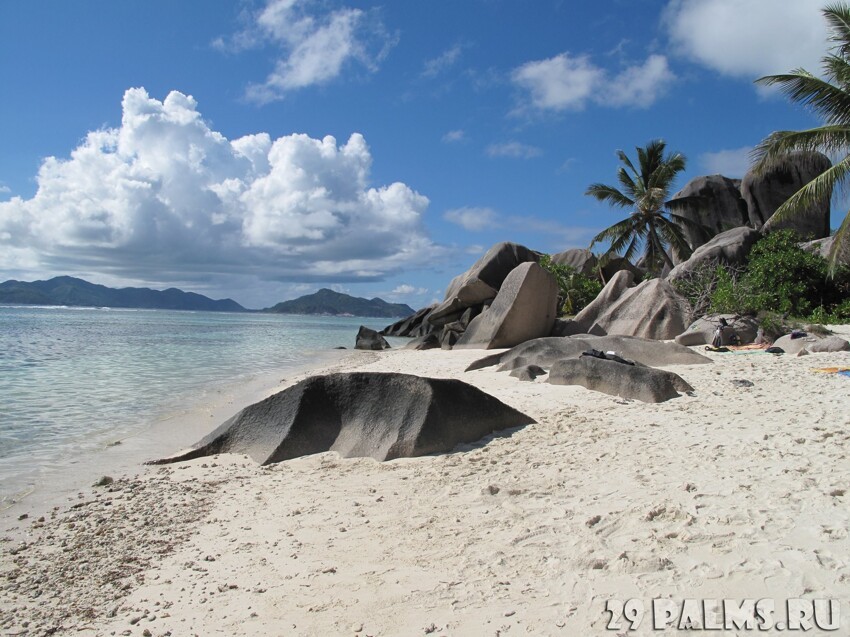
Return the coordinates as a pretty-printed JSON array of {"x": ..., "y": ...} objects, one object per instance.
[
  {"x": 843, "y": 371},
  {"x": 747, "y": 348}
]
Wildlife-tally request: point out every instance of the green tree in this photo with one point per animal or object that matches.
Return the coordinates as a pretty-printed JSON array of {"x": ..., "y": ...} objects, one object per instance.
[
  {"x": 829, "y": 98},
  {"x": 652, "y": 224}
]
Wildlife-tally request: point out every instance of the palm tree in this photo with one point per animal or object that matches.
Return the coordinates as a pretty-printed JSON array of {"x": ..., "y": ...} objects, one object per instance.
[
  {"x": 829, "y": 98},
  {"x": 652, "y": 223}
]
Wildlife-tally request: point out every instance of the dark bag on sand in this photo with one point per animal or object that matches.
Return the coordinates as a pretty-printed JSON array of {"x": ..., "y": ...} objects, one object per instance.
[
  {"x": 595, "y": 353},
  {"x": 775, "y": 350}
]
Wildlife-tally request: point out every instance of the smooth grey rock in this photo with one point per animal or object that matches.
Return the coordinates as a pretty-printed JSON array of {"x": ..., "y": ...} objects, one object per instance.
[
  {"x": 407, "y": 326},
  {"x": 701, "y": 331},
  {"x": 565, "y": 327},
  {"x": 382, "y": 416},
  {"x": 829, "y": 344},
  {"x": 481, "y": 283},
  {"x": 582, "y": 259},
  {"x": 525, "y": 308},
  {"x": 652, "y": 309},
  {"x": 607, "y": 297},
  {"x": 730, "y": 248},
  {"x": 766, "y": 192},
  {"x": 618, "y": 379},
  {"x": 429, "y": 341},
  {"x": 528, "y": 373},
  {"x": 370, "y": 339},
  {"x": 613, "y": 264},
  {"x": 794, "y": 345},
  {"x": 715, "y": 202},
  {"x": 544, "y": 352}
]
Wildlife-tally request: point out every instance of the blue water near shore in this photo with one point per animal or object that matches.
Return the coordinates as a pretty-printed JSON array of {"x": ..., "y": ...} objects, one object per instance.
[{"x": 74, "y": 379}]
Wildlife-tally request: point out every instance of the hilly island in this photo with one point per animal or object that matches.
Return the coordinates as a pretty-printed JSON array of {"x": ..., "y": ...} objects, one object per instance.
[
  {"x": 66, "y": 290},
  {"x": 335, "y": 303}
]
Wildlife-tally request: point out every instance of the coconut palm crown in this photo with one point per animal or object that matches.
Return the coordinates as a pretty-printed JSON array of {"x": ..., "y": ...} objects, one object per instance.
[
  {"x": 652, "y": 225},
  {"x": 829, "y": 98}
]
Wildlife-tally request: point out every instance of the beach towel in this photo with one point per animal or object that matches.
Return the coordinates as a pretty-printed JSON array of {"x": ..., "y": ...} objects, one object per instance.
[
  {"x": 832, "y": 370},
  {"x": 749, "y": 348}
]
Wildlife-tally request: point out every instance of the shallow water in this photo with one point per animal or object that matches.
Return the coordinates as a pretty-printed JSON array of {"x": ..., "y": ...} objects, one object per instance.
[{"x": 75, "y": 380}]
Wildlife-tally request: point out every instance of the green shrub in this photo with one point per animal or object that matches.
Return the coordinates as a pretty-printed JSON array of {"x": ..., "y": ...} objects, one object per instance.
[
  {"x": 782, "y": 277},
  {"x": 575, "y": 290}
]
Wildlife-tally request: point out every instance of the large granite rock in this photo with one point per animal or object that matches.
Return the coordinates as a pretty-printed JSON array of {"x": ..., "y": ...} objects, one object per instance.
[
  {"x": 429, "y": 341},
  {"x": 730, "y": 248},
  {"x": 545, "y": 352},
  {"x": 481, "y": 283},
  {"x": 766, "y": 192},
  {"x": 715, "y": 203},
  {"x": 829, "y": 344},
  {"x": 382, "y": 416},
  {"x": 525, "y": 308},
  {"x": 617, "y": 379},
  {"x": 652, "y": 309},
  {"x": 370, "y": 339},
  {"x": 701, "y": 331},
  {"x": 581, "y": 259},
  {"x": 612, "y": 264},
  {"x": 411, "y": 325}
]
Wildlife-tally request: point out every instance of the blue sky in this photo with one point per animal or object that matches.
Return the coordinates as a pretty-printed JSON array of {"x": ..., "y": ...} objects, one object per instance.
[{"x": 261, "y": 150}]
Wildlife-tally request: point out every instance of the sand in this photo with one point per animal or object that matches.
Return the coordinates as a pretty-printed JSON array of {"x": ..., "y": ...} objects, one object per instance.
[{"x": 736, "y": 492}]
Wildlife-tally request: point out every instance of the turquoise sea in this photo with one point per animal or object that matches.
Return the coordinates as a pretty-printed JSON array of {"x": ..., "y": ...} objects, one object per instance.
[{"x": 74, "y": 381}]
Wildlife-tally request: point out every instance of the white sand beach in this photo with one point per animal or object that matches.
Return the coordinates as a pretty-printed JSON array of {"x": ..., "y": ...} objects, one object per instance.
[{"x": 734, "y": 492}]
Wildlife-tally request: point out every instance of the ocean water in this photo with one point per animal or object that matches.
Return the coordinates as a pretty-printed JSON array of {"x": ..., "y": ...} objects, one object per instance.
[{"x": 73, "y": 381}]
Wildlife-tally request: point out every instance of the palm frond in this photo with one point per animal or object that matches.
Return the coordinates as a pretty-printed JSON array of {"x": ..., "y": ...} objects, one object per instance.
[
  {"x": 671, "y": 233},
  {"x": 628, "y": 163},
  {"x": 613, "y": 233},
  {"x": 840, "y": 251},
  {"x": 815, "y": 192},
  {"x": 828, "y": 101},
  {"x": 631, "y": 188},
  {"x": 774, "y": 150},
  {"x": 610, "y": 195},
  {"x": 838, "y": 17}
]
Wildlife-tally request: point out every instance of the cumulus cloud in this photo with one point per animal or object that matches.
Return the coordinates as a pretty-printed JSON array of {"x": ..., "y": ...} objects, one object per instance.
[
  {"x": 733, "y": 162},
  {"x": 314, "y": 48},
  {"x": 473, "y": 218},
  {"x": 163, "y": 197},
  {"x": 748, "y": 38},
  {"x": 405, "y": 289},
  {"x": 513, "y": 149},
  {"x": 568, "y": 82}
]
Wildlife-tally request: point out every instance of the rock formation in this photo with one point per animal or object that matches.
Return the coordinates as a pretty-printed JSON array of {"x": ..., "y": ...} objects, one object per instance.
[
  {"x": 701, "y": 331},
  {"x": 766, "y": 192},
  {"x": 652, "y": 309},
  {"x": 525, "y": 308},
  {"x": 370, "y": 339},
  {"x": 730, "y": 248},
  {"x": 617, "y": 379},
  {"x": 714, "y": 202},
  {"x": 545, "y": 352},
  {"x": 382, "y": 416}
]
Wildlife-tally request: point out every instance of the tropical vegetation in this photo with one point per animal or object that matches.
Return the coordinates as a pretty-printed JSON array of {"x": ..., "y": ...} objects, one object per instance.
[
  {"x": 653, "y": 225},
  {"x": 829, "y": 97}
]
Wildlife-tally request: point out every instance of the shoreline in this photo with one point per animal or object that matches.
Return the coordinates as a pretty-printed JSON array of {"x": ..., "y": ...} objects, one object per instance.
[
  {"x": 125, "y": 452},
  {"x": 735, "y": 492}
]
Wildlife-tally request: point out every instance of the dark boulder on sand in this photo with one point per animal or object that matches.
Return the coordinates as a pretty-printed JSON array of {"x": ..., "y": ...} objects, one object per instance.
[
  {"x": 361, "y": 414},
  {"x": 525, "y": 308},
  {"x": 545, "y": 352},
  {"x": 370, "y": 339},
  {"x": 617, "y": 379},
  {"x": 701, "y": 331}
]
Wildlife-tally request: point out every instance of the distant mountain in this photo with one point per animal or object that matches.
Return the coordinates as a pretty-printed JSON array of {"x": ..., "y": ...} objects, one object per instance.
[
  {"x": 66, "y": 290},
  {"x": 329, "y": 302}
]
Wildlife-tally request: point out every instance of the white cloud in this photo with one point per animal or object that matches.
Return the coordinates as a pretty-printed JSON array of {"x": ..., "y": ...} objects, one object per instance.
[
  {"x": 567, "y": 82},
  {"x": 4, "y": 190},
  {"x": 732, "y": 163},
  {"x": 405, "y": 289},
  {"x": 473, "y": 218},
  {"x": 165, "y": 198},
  {"x": 314, "y": 48},
  {"x": 749, "y": 38},
  {"x": 444, "y": 61},
  {"x": 513, "y": 149},
  {"x": 454, "y": 136}
]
